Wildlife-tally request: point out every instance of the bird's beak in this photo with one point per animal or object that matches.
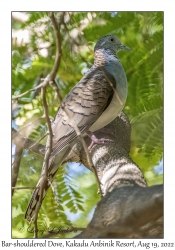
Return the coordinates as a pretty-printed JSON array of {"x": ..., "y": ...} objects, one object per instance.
[{"x": 124, "y": 47}]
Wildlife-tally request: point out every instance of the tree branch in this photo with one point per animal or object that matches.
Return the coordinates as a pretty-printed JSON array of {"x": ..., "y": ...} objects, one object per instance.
[
  {"x": 17, "y": 188},
  {"x": 128, "y": 212},
  {"x": 48, "y": 79},
  {"x": 43, "y": 85},
  {"x": 56, "y": 27},
  {"x": 16, "y": 164},
  {"x": 28, "y": 91}
]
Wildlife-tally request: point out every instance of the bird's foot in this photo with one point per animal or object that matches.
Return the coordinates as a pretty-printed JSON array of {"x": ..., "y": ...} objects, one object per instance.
[{"x": 95, "y": 140}]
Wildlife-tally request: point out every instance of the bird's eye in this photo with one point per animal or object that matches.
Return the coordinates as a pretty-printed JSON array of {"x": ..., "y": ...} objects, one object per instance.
[{"x": 112, "y": 39}]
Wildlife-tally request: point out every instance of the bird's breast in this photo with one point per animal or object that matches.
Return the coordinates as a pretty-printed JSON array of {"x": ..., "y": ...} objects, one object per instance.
[
  {"x": 119, "y": 98},
  {"x": 112, "y": 111}
]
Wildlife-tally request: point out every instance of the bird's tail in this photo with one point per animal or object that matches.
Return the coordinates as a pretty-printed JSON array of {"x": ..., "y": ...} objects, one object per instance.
[{"x": 35, "y": 200}]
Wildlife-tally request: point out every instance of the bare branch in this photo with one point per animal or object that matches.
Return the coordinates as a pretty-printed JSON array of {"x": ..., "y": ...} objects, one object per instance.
[
  {"x": 28, "y": 91},
  {"x": 56, "y": 27},
  {"x": 35, "y": 143},
  {"x": 140, "y": 215},
  {"x": 16, "y": 164},
  {"x": 48, "y": 79},
  {"x": 17, "y": 188},
  {"x": 35, "y": 229},
  {"x": 132, "y": 217},
  {"x": 46, "y": 113},
  {"x": 90, "y": 163},
  {"x": 46, "y": 159}
]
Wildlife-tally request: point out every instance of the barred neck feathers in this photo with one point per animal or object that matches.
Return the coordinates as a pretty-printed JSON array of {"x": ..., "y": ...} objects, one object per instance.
[{"x": 103, "y": 56}]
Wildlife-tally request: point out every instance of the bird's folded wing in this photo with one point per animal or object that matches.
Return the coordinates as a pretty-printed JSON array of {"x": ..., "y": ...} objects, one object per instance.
[{"x": 82, "y": 107}]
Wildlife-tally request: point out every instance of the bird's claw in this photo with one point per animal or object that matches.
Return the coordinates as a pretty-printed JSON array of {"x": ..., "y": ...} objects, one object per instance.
[{"x": 95, "y": 140}]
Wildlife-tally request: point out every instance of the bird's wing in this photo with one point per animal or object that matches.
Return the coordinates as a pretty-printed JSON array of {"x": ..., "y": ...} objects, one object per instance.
[{"x": 82, "y": 107}]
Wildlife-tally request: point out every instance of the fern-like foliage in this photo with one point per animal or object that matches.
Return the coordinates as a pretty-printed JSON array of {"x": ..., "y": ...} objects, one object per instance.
[
  {"x": 69, "y": 196},
  {"x": 145, "y": 97}
]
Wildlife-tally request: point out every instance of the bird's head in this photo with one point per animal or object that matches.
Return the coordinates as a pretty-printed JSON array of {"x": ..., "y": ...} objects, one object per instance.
[{"x": 110, "y": 42}]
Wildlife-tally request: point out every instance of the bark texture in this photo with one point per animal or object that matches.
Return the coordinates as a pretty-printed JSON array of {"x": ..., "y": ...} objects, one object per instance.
[{"x": 128, "y": 208}]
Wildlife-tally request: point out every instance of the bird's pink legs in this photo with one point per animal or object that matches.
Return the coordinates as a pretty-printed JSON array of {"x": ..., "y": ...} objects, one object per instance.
[{"x": 95, "y": 140}]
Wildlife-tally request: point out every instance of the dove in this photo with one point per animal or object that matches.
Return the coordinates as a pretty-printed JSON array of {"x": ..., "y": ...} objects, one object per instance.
[{"x": 95, "y": 101}]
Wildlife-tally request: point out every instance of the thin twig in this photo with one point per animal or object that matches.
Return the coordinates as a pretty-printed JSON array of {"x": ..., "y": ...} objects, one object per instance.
[
  {"x": 56, "y": 27},
  {"x": 16, "y": 188},
  {"x": 50, "y": 136},
  {"x": 16, "y": 164},
  {"x": 48, "y": 79},
  {"x": 38, "y": 141},
  {"x": 90, "y": 163},
  {"x": 44, "y": 176},
  {"x": 35, "y": 229},
  {"x": 28, "y": 91}
]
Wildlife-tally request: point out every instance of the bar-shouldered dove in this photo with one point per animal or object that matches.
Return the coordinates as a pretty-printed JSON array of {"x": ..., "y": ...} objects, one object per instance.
[{"x": 90, "y": 105}]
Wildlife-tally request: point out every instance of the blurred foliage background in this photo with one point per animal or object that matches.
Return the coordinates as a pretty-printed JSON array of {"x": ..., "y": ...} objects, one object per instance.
[{"x": 33, "y": 55}]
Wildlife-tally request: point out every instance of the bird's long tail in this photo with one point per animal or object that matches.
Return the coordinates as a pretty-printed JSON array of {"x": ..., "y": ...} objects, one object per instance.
[{"x": 35, "y": 200}]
